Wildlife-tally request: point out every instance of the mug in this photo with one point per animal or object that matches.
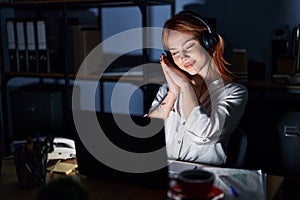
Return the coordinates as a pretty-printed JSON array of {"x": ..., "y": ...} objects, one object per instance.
[{"x": 196, "y": 184}]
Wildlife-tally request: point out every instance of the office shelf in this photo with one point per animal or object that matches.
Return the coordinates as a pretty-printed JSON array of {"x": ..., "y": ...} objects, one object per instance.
[
  {"x": 62, "y": 67},
  {"x": 83, "y": 3}
]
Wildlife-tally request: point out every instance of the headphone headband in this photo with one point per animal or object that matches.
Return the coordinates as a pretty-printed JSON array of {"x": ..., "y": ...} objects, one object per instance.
[
  {"x": 209, "y": 38},
  {"x": 199, "y": 19}
]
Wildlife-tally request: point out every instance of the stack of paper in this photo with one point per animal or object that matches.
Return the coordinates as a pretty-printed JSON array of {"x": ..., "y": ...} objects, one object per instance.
[{"x": 65, "y": 168}]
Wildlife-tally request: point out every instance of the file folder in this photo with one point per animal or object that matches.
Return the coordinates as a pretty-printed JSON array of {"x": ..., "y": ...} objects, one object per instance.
[
  {"x": 21, "y": 46},
  {"x": 31, "y": 46},
  {"x": 43, "y": 53},
  {"x": 12, "y": 48}
]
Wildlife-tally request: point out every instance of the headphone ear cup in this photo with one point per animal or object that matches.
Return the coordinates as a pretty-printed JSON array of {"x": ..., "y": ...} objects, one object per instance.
[{"x": 209, "y": 40}]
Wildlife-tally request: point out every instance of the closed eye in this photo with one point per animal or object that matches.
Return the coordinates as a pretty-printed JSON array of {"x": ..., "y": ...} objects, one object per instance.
[
  {"x": 190, "y": 46},
  {"x": 175, "y": 53}
]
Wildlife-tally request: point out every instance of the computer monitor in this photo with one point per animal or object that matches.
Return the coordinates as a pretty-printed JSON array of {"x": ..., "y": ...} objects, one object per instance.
[{"x": 91, "y": 166}]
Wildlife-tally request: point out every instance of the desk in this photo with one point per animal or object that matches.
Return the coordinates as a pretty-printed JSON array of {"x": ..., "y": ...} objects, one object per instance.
[{"x": 99, "y": 189}]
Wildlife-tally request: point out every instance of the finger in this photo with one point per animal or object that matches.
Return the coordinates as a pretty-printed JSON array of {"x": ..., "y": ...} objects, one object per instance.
[
  {"x": 165, "y": 60},
  {"x": 162, "y": 56}
]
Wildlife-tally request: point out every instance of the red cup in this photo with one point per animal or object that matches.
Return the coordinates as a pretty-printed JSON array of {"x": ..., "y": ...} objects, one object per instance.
[{"x": 196, "y": 184}]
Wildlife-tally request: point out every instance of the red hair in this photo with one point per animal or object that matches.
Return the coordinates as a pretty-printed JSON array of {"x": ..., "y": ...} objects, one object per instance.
[{"x": 186, "y": 23}]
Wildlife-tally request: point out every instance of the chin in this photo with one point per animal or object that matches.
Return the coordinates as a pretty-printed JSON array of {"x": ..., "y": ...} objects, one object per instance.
[{"x": 192, "y": 72}]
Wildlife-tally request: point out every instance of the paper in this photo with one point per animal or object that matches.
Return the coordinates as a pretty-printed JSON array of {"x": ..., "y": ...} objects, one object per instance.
[
  {"x": 175, "y": 167},
  {"x": 239, "y": 183},
  {"x": 65, "y": 168}
]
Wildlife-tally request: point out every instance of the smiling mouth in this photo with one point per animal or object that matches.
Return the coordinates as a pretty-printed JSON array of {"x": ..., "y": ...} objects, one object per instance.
[{"x": 189, "y": 65}]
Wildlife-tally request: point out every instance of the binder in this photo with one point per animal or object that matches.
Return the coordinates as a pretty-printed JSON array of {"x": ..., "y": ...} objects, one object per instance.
[
  {"x": 31, "y": 46},
  {"x": 21, "y": 46},
  {"x": 85, "y": 38},
  {"x": 43, "y": 53},
  {"x": 12, "y": 47}
]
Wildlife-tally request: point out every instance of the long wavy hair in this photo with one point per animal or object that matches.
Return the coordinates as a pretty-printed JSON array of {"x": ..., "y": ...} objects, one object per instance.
[{"x": 185, "y": 22}]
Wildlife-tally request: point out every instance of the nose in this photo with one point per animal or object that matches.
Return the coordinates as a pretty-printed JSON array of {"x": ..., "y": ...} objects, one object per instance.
[
  {"x": 181, "y": 59},
  {"x": 184, "y": 55}
]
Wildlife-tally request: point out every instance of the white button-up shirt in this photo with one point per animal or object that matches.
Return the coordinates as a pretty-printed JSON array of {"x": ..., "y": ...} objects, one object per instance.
[{"x": 203, "y": 137}]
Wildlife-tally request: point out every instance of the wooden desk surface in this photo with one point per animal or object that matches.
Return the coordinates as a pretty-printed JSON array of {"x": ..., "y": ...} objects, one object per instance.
[{"x": 101, "y": 189}]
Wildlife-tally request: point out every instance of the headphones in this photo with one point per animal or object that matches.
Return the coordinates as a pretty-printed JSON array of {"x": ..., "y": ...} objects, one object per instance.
[{"x": 209, "y": 38}]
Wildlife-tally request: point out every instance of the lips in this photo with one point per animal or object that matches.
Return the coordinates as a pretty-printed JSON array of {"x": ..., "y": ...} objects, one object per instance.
[{"x": 188, "y": 65}]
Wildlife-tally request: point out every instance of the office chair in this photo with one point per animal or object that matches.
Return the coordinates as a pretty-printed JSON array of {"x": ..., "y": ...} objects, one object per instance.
[{"x": 237, "y": 147}]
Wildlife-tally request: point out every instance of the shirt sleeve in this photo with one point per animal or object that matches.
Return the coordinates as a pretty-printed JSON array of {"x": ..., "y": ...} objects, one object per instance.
[
  {"x": 160, "y": 95},
  {"x": 227, "y": 107}
]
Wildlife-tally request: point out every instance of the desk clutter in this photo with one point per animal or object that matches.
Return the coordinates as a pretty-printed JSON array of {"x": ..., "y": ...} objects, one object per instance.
[
  {"x": 229, "y": 183},
  {"x": 240, "y": 183},
  {"x": 61, "y": 167},
  {"x": 63, "y": 148},
  {"x": 30, "y": 157}
]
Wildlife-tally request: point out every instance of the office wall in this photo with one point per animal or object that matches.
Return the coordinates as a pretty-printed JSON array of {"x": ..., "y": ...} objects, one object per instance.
[
  {"x": 250, "y": 24},
  {"x": 287, "y": 12},
  {"x": 243, "y": 24}
]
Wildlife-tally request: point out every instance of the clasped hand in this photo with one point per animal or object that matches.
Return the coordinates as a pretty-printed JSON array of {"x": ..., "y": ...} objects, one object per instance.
[{"x": 175, "y": 78}]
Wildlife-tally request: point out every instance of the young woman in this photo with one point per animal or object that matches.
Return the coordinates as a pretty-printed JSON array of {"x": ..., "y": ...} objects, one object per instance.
[{"x": 200, "y": 102}]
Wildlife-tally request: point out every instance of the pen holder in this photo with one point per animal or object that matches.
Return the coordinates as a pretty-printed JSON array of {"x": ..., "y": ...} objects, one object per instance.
[{"x": 30, "y": 159}]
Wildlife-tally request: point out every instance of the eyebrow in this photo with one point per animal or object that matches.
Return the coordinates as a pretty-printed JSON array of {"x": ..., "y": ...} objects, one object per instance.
[{"x": 184, "y": 43}]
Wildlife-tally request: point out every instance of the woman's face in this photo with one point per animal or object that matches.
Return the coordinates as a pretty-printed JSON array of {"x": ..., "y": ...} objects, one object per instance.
[{"x": 187, "y": 52}]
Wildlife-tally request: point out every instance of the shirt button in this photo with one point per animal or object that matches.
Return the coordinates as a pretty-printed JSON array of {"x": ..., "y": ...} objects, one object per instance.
[{"x": 179, "y": 141}]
